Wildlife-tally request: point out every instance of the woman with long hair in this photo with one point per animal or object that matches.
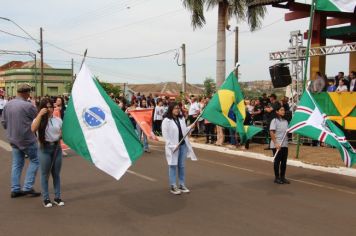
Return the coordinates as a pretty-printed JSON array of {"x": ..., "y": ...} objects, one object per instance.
[
  {"x": 59, "y": 110},
  {"x": 173, "y": 130},
  {"x": 279, "y": 142},
  {"x": 49, "y": 130}
]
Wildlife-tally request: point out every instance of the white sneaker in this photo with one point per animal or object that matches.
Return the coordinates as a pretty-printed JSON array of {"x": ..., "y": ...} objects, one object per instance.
[
  {"x": 175, "y": 190},
  {"x": 47, "y": 203},
  {"x": 184, "y": 189},
  {"x": 58, "y": 202}
]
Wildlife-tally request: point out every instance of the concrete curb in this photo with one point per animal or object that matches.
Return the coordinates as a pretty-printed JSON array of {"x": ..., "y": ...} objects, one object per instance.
[{"x": 334, "y": 170}]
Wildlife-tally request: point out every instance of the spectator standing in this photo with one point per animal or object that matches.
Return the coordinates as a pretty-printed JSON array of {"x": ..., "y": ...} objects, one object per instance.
[
  {"x": 318, "y": 84},
  {"x": 17, "y": 118},
  {"x": 193, "y": 113},
  {"x": 158, "y": 117},
  {"x": 141, "y": 134}
]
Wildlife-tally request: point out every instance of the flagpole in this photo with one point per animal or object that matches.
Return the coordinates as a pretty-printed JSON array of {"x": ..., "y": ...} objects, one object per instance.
[
  {"x": 191, "y": 127},
  {"x": 84, "y": 57},
  {"x": 284, "y": 137},
  {"x": 312, "y": 11}
]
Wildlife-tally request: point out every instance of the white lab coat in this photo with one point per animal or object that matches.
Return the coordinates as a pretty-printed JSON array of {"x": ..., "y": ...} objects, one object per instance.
[{"x": 171, "y": 135}]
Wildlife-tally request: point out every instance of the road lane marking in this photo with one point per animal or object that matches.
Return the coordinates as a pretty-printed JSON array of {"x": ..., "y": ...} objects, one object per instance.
[
  {"x": 265, "y": 174},
  {"x": 141, "y": 176},
  {"x": 5, "y": 146}
]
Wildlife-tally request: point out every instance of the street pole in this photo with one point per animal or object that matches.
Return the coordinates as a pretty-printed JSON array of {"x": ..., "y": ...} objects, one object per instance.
[
  {"x": 41, "y": 45},
  {"x": 35, "y": 74},
  {"x": 236, "y": 49},
  {"x": 72, "y": 69},
  {"x": 184, "y": 71}
]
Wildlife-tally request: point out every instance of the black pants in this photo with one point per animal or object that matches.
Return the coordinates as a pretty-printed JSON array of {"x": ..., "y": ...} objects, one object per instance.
[
  {"x": 195, "y": 129},
  {"x": 280, "y": 162},
  {"x": 209, "y": 132},
  {"x": 157, "y": 127}
]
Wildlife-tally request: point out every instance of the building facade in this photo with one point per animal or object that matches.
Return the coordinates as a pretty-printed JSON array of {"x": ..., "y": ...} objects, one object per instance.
[{"x": 56, "y": 81}]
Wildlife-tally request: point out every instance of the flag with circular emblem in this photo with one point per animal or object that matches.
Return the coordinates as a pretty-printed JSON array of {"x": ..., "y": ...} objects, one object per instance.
[{"x": 97, "y": 129}]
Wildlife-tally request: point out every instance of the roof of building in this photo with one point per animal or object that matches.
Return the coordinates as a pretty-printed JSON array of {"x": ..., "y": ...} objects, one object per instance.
[
  {"x": 22, "y": 65},
  {"x": 167, "y": 88}
]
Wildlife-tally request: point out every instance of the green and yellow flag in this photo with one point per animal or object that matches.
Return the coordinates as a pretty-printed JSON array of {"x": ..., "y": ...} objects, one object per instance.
[{"x": 227, "y": 109}]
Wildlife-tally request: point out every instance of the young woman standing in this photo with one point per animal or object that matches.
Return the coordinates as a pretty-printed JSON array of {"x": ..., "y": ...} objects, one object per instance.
[
  {"x": 173, "y": 130},
  {"x": 49, "y": 130},
  {"x": 279, "y": 142}
]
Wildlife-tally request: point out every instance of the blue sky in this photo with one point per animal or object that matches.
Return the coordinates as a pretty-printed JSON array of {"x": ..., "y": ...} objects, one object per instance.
[{"x": 125, "y": 28}]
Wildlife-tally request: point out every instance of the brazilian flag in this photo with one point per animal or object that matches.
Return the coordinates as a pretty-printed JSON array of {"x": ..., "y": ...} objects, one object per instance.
[{"x": 227, "y": 109}]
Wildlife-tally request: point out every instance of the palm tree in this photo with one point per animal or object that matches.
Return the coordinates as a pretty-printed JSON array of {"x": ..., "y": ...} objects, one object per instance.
[{"x": 226, "y": 10}]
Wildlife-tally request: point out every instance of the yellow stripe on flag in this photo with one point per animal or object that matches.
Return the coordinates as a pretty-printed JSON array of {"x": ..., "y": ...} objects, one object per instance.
[
  {"x": 344, "y": 102},
  {"x": 242, "y": 108}
]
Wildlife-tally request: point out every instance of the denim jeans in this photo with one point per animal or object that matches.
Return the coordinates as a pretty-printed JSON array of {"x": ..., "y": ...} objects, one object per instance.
[
  {"x": 140, "y": 133},
  {"x": 172, "y": 170},
  {"x": 18, "y": 161},
  {"x": 51, "y": 163},
  {"x": 232, "y": 133}
]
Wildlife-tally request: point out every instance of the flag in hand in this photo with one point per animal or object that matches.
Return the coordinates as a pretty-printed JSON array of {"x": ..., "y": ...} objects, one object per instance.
[
  {"x": 227, "y": 108},
  {"x": 97, "y": 129},
  {"x": 143, "y": 117},
  {"x": 310, "y": 121}
]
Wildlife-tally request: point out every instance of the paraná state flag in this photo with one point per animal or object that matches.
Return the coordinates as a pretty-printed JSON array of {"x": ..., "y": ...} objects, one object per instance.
[
  {"x": 97, "y": 129},
  {"x": 309, "y": 121},
  {"x": 227, "y": 108}
]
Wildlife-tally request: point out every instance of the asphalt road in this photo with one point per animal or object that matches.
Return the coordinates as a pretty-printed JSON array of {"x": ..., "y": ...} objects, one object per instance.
[{"x": 230, "y": 195}]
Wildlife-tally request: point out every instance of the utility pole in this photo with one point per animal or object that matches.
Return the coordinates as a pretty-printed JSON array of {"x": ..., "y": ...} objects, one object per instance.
[
  {"x": 41, "y": 44},
  {"x": 236, "y": 49},
  {"x": 72, "y": 69},
  {"x": 184, "y": 70}
]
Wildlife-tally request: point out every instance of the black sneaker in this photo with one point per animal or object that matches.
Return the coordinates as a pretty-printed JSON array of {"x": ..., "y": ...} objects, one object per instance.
[
  {"x": 58, "y": 202},
  {"x": 32, "y": 193},
  {"x": 285, "y": 181},
  {"x": 184, "y": 189},
  {"x": 278, "y": 181},
  {"x": 17, "y": 194},
  {"x": 47, "y": 203},
  {"x": 175, "y": 190}
]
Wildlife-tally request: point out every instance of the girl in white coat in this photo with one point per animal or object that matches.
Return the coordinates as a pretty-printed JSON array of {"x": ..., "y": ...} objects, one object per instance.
[{"x": 173, "y": 130}]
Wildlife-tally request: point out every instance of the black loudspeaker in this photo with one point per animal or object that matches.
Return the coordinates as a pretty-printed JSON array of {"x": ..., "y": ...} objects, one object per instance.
[{"x": 280, "y": 75}]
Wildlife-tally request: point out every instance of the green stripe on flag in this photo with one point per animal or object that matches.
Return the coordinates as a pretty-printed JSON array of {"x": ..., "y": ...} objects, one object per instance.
[
  {"x": 72, "y": 132},
  {"x": 326, "y": 5}
]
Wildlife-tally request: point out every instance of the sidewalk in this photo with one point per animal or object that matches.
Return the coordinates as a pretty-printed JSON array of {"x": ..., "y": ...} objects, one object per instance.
[{"x": 317, "y": 158}]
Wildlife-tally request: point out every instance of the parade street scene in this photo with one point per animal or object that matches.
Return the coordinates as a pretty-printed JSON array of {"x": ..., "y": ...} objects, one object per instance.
[{"x": 179, "y": 117}]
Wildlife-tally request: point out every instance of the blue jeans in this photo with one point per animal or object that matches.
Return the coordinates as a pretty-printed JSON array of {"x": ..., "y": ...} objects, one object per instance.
[
  {"x": 18, "y": 161},
  {"x": 232, "y": 133},
  {"x": 51, "y": 163},
  {"x": 172, "y": 171},
  {"x": 140, "y": 132}
]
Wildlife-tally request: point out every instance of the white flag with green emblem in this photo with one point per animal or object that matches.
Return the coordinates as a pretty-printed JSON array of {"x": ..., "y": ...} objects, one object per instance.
[
  {"x": 310, "y": 121},
  {"x": 336, "y": 5},
  {"x": 97, "y": 129}
]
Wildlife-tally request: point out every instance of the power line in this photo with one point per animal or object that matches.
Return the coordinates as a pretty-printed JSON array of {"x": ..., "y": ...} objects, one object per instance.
[
  {"x": 96, "y": 57},
  {"x": 241, "y": 32}
]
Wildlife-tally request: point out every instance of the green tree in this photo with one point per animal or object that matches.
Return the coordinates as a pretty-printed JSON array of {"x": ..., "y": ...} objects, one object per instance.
[
  {"x": 108, "y": 87},
  {"x": 209, "y": 87},
  {"x": 227, "y": 9}
]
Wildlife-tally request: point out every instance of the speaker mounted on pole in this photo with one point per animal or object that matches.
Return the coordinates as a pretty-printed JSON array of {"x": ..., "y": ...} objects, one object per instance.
[{"x": 280, "y": 75}]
